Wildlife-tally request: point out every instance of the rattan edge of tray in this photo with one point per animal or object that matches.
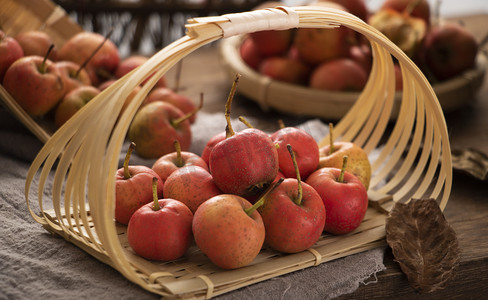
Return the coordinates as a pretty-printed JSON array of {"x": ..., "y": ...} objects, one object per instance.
[{"x": 216, "y": 281}]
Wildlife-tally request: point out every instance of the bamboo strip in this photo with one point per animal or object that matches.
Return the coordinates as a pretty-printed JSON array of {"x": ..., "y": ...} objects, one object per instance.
[{"x": 84, "y": 179}]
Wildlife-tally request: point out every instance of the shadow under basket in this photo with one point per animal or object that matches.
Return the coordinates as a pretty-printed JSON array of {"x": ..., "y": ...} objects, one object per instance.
[{"x": 413, "y": 161}]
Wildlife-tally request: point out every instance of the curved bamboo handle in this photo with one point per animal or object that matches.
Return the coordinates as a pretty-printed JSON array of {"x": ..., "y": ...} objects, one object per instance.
[{"x": 87, "y": 147}]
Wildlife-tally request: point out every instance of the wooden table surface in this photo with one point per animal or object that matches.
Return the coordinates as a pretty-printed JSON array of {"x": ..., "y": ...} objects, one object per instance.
[{"x": 466, "y": 211}]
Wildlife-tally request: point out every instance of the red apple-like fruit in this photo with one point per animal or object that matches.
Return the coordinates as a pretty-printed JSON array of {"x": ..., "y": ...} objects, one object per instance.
[
  {"x": 211, "y": 144},
  {"x": 130, "y": 63},
  {"x": 73, "y": 75},
  {"x": 37, "y": 42},
  {"x": 332, "y": 157},
  {"x": 415, "y": 8},
  {"x": 344, "y": 196},
  {"x": 341, "y": 74},
  {"x": 161, "y": 230},
  {"x": 293, "y": 214},
  {"x": 317, "y": 45},
  {"x": 102, "y": 54},
  {"x": 285, "y": 69},
  {"x": 133, "y": 188},
  {"x": 361, "y": 53},
  {"x": 244, "y": 162},
  {"x": 106, "y": 84},
  {"x": 250, "y": 54},
  {"x": 449, "y": 50},
  {"x": 168, "y": 163},
  {"x": 191, "y": 185},
  {"x": 223, "y": 230},
  {"x": 272, "y": 42},
  {"x": 305, "y": 148},
  {"x": 404, "y": 30},
  {"x": 156, "y": 126},
  {"x": 10, "y": 51},
  {"x": 355, "y": 7},
  {"x": 180, "y": 101},
  {"x": 35, "y": 83},
  {"x": 131, "y": 95},
  {"x": 72, "y": 102}
]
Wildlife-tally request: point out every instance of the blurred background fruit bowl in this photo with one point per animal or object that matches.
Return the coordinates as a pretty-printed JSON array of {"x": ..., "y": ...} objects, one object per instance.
[{"x": 297, "y": 99}]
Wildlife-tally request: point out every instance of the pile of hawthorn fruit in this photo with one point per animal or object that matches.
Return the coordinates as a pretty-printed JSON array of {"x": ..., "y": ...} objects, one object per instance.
[
  {"x": 339, "y": 59},
  {"x": 54, "y": 83},
  {"x": 247, "y": 189}
]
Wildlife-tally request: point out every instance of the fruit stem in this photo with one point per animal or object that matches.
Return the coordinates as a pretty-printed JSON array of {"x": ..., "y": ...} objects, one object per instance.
[
  {"x": 127, "y": 175},
  {"x": 298, "y": 199},
  {"x": 343, "y": 169},
  {"x": 246, "y": 122},
  {"x": 281, "y": 124},
  {"x": 177, "y": 122},
  {"x": 228, "y": 129},
  {"x": 77, "y": 73},
  {"x": 261, "y": 200},
  {"x": 331, "y": 130},
  {"x": 179, "y": 158},
  {"x": 156, "y": 206},
  {"x": 98, "y": 48},
  {"x": 42, "y": 69}
]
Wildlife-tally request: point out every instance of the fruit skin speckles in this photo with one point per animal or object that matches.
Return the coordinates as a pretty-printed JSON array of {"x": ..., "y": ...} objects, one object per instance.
[
  {"x": 226, "y": 233},
  {"x": 244, "y": 161}
]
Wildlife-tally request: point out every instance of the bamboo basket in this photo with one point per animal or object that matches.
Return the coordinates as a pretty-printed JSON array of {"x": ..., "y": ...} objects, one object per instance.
[
  {"x": 274, "y": 94},
  {"x": 83, "y": 156},
  {"x": 24, "y": 15}
]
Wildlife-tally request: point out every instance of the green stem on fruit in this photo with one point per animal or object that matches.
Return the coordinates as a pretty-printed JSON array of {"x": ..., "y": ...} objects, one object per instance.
[
  {"x": 331, "y": 130},
  {"x": 246, "y": 122},
  {"x": 298, "y": 199},
  {"x": 176, "y": 122},
  {"x": 42, "y": 69},
  {"x": 343, "y": 169},
  {"x": 228, "y": 129},
  {"x": 127, "y": 175},
  {"x": 281, "y": 124},
  {"x": 179, "y": 159},
  {"x": 156, "y": 206},
  {"x": 261, "y": 200}
]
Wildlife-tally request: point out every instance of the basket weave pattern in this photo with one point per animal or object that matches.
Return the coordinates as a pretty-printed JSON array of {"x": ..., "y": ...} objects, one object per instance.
[{"x": 415, "y": 161}]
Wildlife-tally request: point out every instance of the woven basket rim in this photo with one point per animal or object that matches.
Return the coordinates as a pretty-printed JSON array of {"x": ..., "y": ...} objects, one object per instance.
[{"x": 86, "y": 163}]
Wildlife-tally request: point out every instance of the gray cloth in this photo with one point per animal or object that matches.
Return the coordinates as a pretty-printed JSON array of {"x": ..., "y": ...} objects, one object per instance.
[{"x": 35, "y": 264}]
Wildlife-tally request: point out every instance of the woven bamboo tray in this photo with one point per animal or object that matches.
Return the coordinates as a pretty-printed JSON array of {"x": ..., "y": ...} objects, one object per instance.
[
  {"x": 23, "y": 15},
  {"x": 83, "y": 156},
  {"x": 273, "y": 94}
]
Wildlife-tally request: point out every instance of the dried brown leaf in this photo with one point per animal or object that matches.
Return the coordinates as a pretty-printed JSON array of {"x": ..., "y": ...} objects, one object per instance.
[
  {"x": 423, "y": 243},
  {"x": 472, "y": 162}
]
